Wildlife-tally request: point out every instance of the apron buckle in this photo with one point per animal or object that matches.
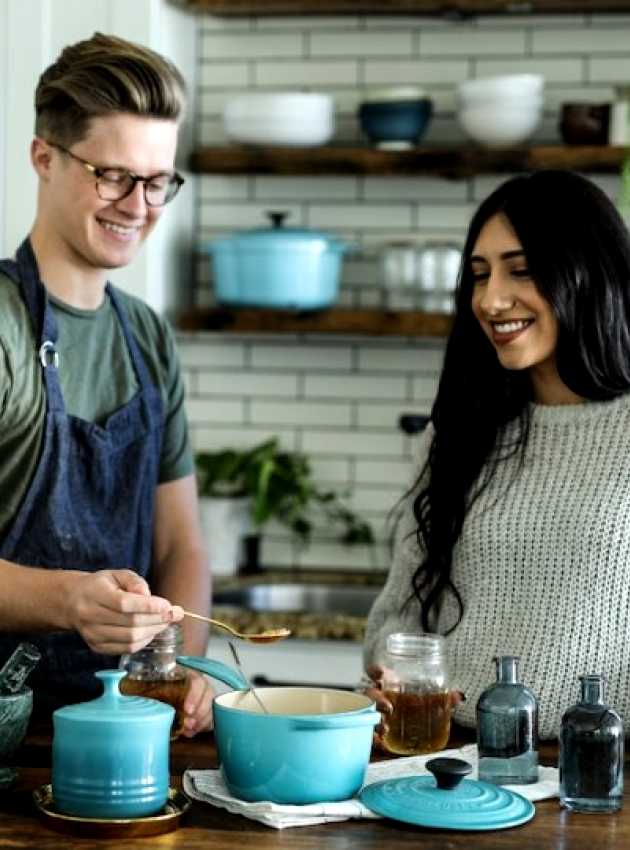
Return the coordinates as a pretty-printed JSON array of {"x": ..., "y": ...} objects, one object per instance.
[{"x": 48, "y": 355}]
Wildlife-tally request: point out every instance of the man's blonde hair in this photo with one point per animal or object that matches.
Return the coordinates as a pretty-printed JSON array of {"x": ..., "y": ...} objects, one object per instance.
[{"x": 103, "y": 75}]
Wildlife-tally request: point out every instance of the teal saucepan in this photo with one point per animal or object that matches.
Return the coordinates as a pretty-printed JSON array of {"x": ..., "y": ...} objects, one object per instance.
[{"x": 313, "y": 745}]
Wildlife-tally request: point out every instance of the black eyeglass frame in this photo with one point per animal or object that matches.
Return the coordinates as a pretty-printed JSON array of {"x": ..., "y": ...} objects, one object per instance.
[{"x": 98, "y": 172}]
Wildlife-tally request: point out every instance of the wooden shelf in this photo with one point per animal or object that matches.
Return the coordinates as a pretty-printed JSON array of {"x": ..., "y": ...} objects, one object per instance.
[
  {"x": 333, "y": 321},
  {"x": 448, "y": 8},
  {"x": 445, "y": 162}
]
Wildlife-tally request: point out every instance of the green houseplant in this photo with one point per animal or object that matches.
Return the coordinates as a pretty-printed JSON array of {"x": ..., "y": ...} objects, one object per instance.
[{"x": 281, "y": 487}]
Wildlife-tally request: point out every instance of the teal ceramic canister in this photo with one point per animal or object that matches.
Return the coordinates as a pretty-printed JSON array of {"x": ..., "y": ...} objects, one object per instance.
[
  {"x": 313, "y": 744},
  {"x": 111, "y": 755}
]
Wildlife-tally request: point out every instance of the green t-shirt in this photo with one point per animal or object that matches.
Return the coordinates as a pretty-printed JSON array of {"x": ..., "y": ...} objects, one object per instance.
[{"x": 97, "y": 378}]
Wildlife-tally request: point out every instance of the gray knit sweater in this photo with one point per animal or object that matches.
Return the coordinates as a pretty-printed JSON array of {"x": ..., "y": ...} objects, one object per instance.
[{"x": 543, "y": 566}]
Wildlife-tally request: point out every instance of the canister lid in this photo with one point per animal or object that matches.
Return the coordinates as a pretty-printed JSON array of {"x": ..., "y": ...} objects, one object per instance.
[
  {"x": 470, "y": 805},
  {"x": 113, "y": 707}
]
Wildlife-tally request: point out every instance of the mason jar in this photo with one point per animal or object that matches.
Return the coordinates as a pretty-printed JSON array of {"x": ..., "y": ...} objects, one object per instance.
[
  {"x": 416, "y": 682},
  {"x": 154, "y": 672}
]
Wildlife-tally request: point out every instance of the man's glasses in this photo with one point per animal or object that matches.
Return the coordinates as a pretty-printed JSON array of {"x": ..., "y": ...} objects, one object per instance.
[{"x": 114, "y": 184}]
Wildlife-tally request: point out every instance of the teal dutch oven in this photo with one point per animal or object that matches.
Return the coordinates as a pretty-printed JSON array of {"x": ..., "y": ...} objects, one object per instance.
[
  {"x": 278, "y": 267},
  {"x": 312, "y": 746},
  {"x": 110, "y": 756}
]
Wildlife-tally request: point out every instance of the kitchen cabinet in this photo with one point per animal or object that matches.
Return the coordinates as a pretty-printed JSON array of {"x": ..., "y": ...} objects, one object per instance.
[{"x": 450, "y": 8}]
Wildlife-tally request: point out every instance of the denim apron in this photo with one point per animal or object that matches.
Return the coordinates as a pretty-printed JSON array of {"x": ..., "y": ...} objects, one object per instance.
[{"x": 90, "y": 504}]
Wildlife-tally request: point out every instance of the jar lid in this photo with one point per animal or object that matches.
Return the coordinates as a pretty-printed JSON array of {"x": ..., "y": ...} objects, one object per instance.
[
  {"x": 470, "y": 805},
  {"x": 411, "y": 644},
  {"x": 112, "y": 706}
]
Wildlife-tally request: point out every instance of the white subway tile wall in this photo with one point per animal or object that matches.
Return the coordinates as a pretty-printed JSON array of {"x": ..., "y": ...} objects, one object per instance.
[{"x": 339, "y": 399}]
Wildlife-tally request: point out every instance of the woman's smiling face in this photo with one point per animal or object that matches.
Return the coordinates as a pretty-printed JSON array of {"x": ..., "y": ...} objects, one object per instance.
[{"x": 513, "y": 314}]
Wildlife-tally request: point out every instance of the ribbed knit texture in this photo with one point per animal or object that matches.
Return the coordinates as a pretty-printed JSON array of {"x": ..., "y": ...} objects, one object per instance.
[{"x": 542, "y": 565}]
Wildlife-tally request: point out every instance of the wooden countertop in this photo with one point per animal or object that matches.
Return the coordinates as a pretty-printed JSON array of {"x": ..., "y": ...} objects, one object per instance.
[{"x": 205, "y": 827}]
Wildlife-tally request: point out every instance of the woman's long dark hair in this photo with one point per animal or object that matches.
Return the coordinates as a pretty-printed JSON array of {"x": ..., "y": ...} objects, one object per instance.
[{"x": 578, "y": 253}]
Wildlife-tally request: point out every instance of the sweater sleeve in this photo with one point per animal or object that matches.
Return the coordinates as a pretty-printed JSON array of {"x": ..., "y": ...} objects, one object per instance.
[{"x": 396, "y": 609}]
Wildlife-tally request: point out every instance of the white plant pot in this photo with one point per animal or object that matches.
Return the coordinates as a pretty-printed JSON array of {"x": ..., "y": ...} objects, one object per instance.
[{"x": 225, "y": 523}]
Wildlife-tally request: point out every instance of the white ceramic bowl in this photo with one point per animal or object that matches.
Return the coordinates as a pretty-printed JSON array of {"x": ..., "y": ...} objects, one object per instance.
[
  {"x": 509, "y": 87},
  {"x": 528, "y": 102},
  {"x": 499, "y": 126},
  {"x": 300, "y": 119}
]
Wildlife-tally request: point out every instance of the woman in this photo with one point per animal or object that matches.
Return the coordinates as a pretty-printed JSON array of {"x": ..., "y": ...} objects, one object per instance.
[{"x": 516, "y": 539}]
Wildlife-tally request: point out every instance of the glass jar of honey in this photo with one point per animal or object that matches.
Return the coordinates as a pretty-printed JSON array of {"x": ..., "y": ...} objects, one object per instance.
[
  {"x": 154, "y": 672},
  {"x": 415, "y": 681}
]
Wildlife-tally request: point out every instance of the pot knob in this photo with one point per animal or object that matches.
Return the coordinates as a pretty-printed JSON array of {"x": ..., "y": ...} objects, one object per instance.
[
  {"x": 448, "y": 772},
  {"x": 277, "y": 217}
]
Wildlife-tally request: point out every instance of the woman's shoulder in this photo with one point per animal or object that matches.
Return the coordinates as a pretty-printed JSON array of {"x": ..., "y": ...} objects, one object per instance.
[{"x": 611, "y": 413}]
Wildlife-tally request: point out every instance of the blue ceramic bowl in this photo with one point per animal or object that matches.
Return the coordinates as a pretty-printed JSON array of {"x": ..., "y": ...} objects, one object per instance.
[
  {"x": 111, "y": 755},
  {"x": 15, "y": 712},
  {"x": 395, "y": 124}
]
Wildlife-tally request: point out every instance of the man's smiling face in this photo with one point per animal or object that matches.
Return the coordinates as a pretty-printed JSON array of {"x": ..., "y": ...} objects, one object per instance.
[{"x": 96, "y": 233}]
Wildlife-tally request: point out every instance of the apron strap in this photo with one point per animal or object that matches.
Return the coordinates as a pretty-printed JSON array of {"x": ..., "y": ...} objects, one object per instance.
[
  {"x": 136, "y": 358},
  {"x": 43, "y": 321}
]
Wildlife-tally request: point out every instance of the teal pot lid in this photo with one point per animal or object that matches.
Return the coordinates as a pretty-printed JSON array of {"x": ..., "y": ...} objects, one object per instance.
[
  {"x": 470, "y": 805},
  {"x": 280, "y": 238},
  {"x": 114, "y": 707}
]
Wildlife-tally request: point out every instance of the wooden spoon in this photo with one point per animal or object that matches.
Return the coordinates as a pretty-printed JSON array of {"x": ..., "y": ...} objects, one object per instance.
[{"x": 269, "y": 636}]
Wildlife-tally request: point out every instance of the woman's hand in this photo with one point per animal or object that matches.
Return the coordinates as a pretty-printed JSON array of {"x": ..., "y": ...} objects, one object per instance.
[
  {"x": 383, "y": 705},
  {"x": 375, "y": 692}
]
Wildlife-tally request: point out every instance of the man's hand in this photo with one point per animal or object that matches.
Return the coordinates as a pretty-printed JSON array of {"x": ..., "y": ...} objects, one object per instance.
[
  {"x": 115, "y": 613},
  {"x": 198, "y": 705}
]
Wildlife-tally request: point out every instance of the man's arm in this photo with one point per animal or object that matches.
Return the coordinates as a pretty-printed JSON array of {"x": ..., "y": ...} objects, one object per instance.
[
  {"x": 181, "y": 575},
  {"x": 112, "y": 610}
]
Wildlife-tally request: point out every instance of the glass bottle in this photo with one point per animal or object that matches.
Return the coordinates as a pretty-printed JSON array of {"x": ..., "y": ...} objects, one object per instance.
[
  {"x": 591, "y": 752},
  {"x": 507, "y": 728},
  {"x": 154, "y": 672},
  {"x": 415, "y": 681}
]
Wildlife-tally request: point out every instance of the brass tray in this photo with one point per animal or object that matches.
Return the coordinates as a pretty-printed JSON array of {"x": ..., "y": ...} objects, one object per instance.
[{"x": 166, "y": 820}]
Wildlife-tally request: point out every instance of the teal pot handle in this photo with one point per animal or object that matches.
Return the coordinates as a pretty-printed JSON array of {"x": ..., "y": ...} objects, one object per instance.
[
  {"x": 216, "y": 669},
  {"x": 337, "y": 721}
]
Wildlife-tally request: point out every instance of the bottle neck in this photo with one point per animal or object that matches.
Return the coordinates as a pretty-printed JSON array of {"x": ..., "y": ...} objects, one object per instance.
[
  {"x": 592, "y": 688},
  {"x": 507, "y": 669}
]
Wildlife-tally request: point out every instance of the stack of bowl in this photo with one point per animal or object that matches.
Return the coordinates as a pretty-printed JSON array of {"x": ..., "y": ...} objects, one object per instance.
[
  {"x": 501, "y": 111},
  {"x": 395, "y": 118}
]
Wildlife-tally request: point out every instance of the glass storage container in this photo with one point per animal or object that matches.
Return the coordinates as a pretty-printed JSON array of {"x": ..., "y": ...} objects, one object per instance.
[
  {"x": 154, "y": 672},
  {"x": 415, "y": 681}
]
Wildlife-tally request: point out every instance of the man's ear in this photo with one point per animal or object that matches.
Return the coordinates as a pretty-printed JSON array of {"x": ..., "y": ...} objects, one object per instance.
[{"x": 41, "y": 157}]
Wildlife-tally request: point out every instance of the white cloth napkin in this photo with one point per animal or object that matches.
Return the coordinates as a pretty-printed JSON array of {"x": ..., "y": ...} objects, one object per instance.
[{"x": 208, "y": 786}]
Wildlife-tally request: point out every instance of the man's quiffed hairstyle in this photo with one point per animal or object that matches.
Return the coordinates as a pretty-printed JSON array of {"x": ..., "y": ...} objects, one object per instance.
[{"x": 103, "y": 75}]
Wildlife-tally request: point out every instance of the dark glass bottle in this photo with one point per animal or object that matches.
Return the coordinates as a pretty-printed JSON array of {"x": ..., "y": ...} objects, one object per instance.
[
  {"x": 591, "y": 752},
  {"x": 507, "y": 728}
]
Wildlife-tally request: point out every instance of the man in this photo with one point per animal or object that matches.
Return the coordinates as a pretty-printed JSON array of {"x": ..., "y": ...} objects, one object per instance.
[{"x": 99, "y": 539}]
